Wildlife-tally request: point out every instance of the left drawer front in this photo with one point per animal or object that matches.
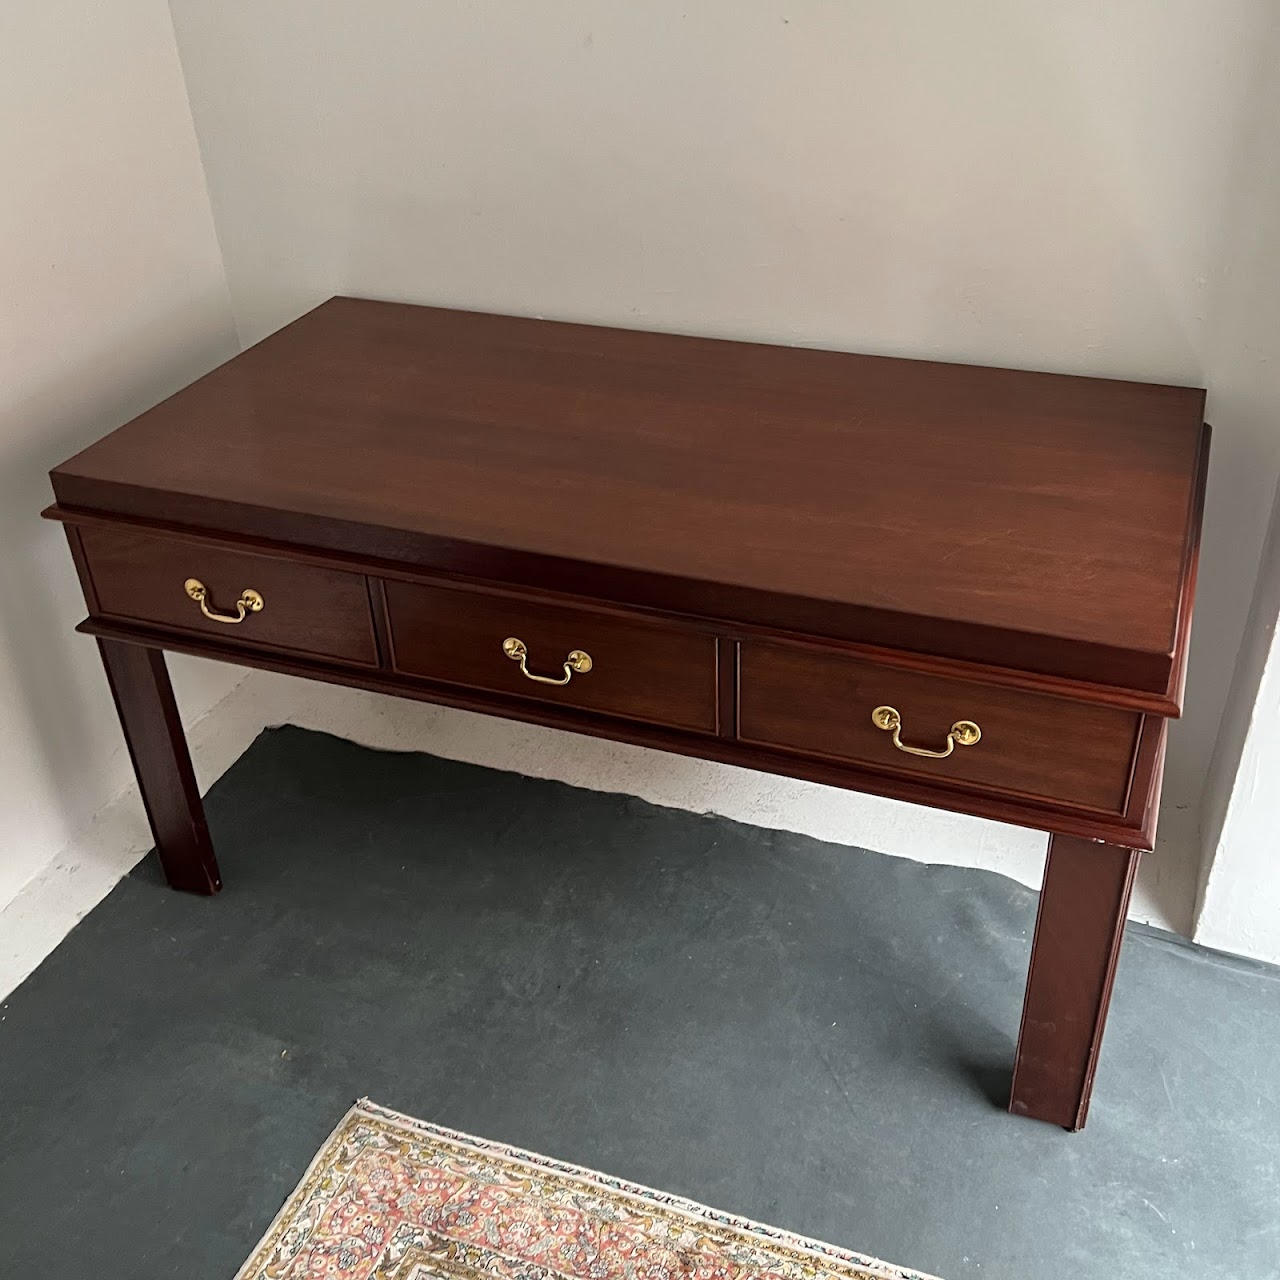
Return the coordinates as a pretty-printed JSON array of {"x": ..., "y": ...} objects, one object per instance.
[
  {"x": 638, "y": 670},
  {"x": 322, "y": 613}
]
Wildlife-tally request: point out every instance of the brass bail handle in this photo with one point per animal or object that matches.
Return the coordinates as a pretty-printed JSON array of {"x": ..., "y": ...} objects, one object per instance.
[
  {"x": 250, "y": 602},
  {"x": 963, "y": 732},
  {"x": 577, "y": 663}
]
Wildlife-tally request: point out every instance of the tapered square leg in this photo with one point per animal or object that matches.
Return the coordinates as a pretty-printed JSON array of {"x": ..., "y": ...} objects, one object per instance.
[
  {"x": 1083, "y": 906},
  {"x": 139, "y": 683}
]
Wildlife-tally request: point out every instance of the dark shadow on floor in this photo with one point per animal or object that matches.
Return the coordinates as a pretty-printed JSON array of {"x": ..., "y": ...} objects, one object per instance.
[{"x": 810, "y": 1035}]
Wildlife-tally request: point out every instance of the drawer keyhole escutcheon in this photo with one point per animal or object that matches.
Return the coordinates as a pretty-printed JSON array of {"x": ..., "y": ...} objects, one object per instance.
[
  {"x": 964, "y": 732},
  {"x": 250, "y": 602},
  {"x": 577, "y": 663}
]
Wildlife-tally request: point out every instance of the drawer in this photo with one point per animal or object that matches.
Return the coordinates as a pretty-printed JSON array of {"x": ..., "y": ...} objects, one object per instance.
[
  {"x": 1031, "y": 745},
  {"x": 640, "y": 670},
  {"x": 318, "y": 612}
]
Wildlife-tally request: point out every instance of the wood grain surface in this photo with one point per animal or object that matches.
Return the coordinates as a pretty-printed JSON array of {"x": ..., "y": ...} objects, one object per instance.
[
  {"x": 656, "y": 674},
  {"x": 1046, "y": 748},
  {"x": 1034, "y": 521},
  {"x": 322, "y": 612}
]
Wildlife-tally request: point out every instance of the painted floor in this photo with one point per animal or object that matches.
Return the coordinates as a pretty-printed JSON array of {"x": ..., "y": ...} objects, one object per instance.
[{"x": 804, "y": 1034}]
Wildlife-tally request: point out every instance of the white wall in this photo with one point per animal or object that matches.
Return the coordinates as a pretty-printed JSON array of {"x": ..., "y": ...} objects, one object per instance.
[
  {"x": 112, "y": 295},
  {"x": 1041, "y": 185},
  {"x": 1240, "y": 904}
]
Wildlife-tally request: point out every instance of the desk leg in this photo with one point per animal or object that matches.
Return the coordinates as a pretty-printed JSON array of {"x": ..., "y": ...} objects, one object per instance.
[
  {"x": 139, "y": 683},
  {"x": 1079, "y": 928}
]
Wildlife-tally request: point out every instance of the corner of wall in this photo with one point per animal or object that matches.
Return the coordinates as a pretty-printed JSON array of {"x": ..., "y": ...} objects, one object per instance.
[{"x": 1238, "y": 903}]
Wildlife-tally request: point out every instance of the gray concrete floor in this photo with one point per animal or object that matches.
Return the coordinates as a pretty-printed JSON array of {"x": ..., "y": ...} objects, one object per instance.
[{"x": 806, "y": 1034}]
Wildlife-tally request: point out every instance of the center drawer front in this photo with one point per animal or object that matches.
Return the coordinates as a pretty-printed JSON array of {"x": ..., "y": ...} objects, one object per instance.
[
  {"x": 639, "y": 670},
  {"x": 1032, "y": 745},
  {"x": 308, "y": 610}
]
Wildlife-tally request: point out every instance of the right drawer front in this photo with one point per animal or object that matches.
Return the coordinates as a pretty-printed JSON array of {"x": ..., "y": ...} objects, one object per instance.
[{"x": 1032, "y": 745}]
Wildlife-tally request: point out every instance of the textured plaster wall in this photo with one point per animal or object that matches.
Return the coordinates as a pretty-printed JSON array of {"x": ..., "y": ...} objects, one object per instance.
[{"x": 112, "y": 295}]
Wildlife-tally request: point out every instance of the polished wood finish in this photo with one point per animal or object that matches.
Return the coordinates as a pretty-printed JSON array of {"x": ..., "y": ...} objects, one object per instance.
[
  {"x": 1027, "y": 520},
  {"x": 756, "y": 545},
  {"x": 641, "y": 671},
  {"x": 1072, "y": 753},
  {"x": 1083, "y": 906},
  {"x": 727, "y": 690},
  {"x": 394, "y": 571},
  {"x": 308, "y": 610},
  {"x": 153, "y": 732},
  {"x": 1136, "y": 830}
]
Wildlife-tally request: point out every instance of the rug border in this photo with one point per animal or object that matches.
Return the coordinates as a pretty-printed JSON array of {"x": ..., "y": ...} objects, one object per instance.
[
  {"x": 321, "y": 1151},
  {"x": 818, "y": 1249}
]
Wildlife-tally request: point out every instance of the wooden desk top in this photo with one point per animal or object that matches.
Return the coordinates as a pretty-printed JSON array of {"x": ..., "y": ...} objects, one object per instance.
[{"x": 1034, "y": 521}]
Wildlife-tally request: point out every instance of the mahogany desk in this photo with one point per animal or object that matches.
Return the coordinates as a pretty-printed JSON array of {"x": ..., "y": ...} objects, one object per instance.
[{"x": 961, "y": 587}]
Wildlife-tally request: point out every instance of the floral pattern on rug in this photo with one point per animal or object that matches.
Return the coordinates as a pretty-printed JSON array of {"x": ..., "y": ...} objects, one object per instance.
[{"x": 392, "y": 1198}]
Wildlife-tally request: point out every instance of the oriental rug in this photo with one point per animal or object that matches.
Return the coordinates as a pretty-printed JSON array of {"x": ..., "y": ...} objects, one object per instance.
[{"x": 392, "y": 1198}]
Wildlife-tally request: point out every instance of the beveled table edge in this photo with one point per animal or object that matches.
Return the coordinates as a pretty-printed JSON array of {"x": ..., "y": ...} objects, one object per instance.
[{"x": 1167, "y": 702}]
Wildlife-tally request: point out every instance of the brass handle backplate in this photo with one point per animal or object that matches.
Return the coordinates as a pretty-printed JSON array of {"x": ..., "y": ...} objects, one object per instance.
[
  {"x": 250, "y": 602},
  {"x": 577, "y": 663},
  {"x": 964, "y": 732}
]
